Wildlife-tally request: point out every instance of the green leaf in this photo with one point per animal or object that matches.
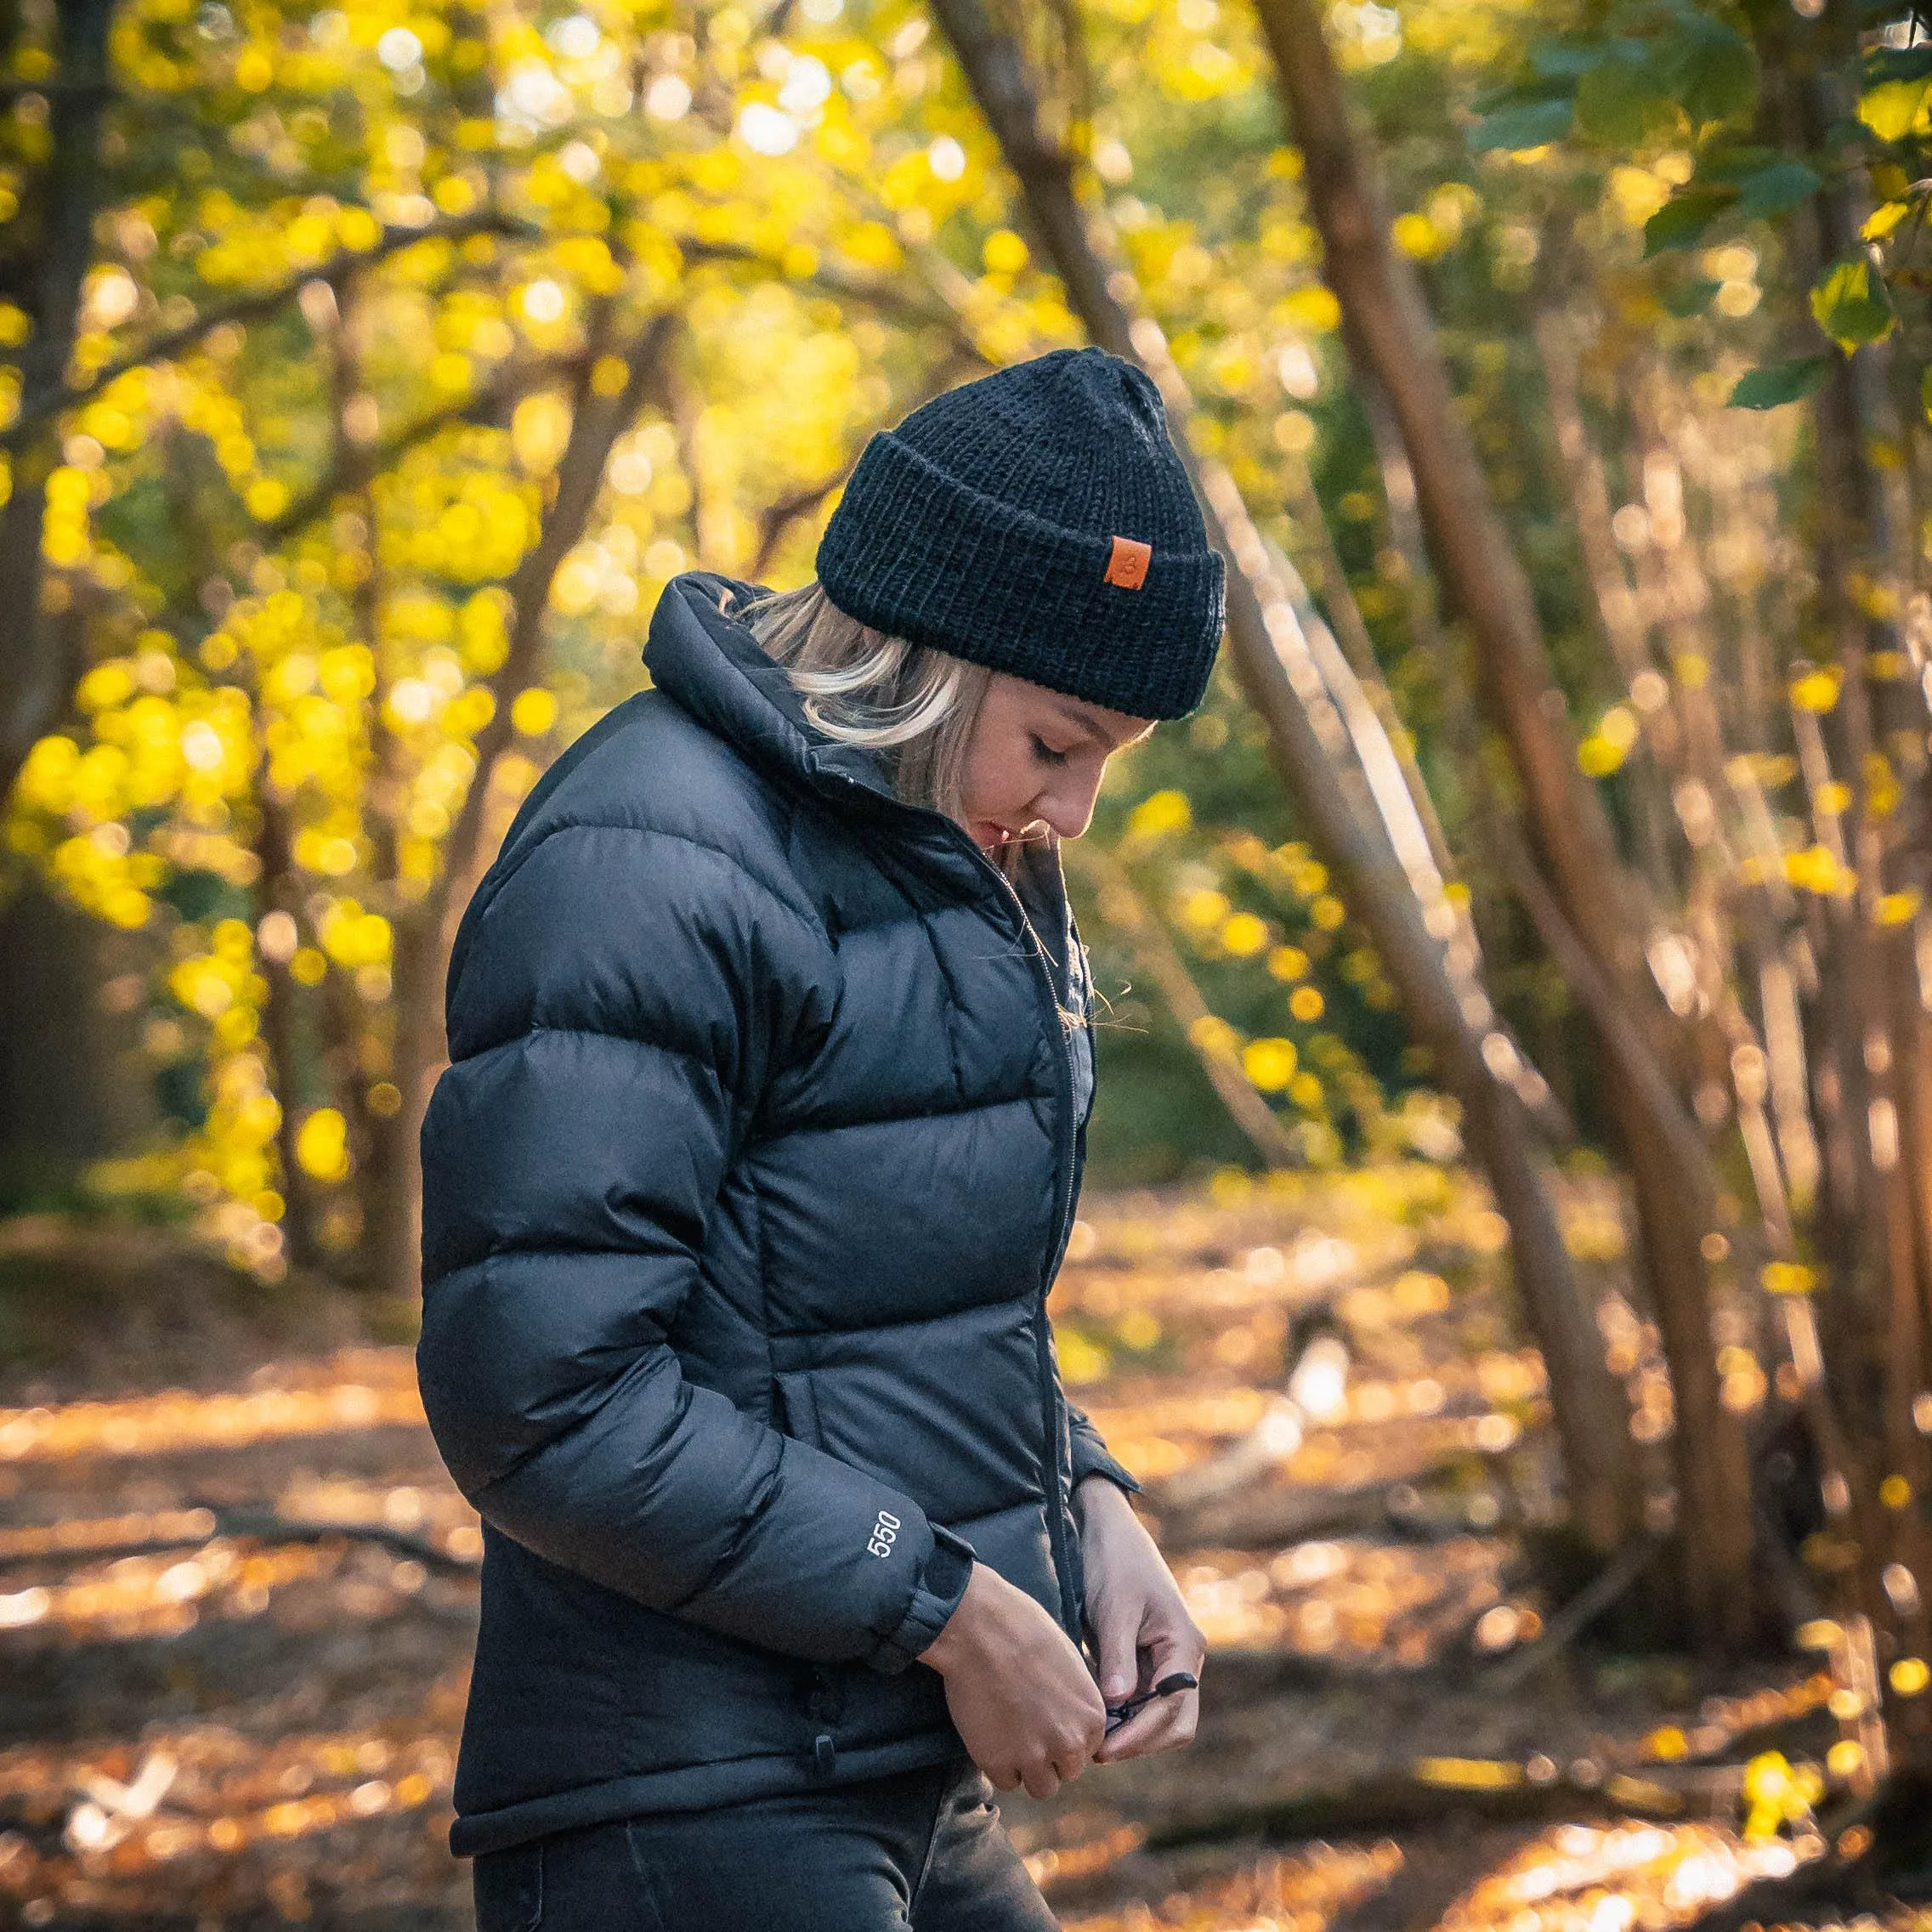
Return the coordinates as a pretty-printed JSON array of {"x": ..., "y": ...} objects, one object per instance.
[
  {"x": 1852, "y": 305},
  {"x": 1734, "y": 164},
  {"x": 1898, "y": 64},
  {"x": 1713, "y": 74},
  {"x": 1681, "y": 221},
  {"x": 1692, "y": 297},
  {"x": 1775, "y": 189},
  {"x": 1621, "y": 102},
  {"x": 1530, "y": 125},
  {"x": 1780, "y": 383},
  {"x": 1521, "y": 94},
  {"x": 1566, "y": 59}
]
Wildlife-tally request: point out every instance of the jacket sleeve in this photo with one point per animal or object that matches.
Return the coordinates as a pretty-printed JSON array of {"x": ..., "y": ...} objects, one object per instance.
[{"x": 613, "y": 1012}]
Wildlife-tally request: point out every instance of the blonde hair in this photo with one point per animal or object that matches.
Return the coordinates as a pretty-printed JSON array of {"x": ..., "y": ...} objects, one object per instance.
[{"x": 914, "y": 705}]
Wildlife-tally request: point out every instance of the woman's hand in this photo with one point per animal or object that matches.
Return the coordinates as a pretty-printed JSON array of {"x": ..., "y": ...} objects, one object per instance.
[
  {"x": 1019, "y": 1691},
  {"x": 1139, "y": 1625}
]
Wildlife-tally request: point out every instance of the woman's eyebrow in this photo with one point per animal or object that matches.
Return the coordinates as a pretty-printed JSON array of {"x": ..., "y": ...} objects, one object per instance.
[{"x": 1091, "y": 728}]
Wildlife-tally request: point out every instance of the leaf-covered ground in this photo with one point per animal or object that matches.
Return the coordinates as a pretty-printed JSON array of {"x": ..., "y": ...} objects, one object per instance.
[{"x": 235, "y": 1617}]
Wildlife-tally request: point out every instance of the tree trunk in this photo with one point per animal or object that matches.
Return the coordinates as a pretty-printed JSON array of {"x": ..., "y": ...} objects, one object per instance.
[
  {"x": 34, "y": 680},
  {"x": 360, "y": 1048},
  {"x": 1388, "y": 329},
  {"x": 278, "y": 890},
  {"x": 423, "y": 931},
  {"x": 1876, "y": 1304},
  {"x": 1612, "y": 602},
  {"x": 1280, "y": 681},
  {"x": 71, "y": 1079}
]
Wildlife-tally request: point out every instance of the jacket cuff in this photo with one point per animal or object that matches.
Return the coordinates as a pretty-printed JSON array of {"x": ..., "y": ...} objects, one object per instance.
[
  {"x": 942, "y": 1582},
  {"x": 1091, "y": 1457}
]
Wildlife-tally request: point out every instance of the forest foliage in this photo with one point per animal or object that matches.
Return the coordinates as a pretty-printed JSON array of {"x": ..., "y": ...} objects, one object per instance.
[{"x": 305, "y": 552}]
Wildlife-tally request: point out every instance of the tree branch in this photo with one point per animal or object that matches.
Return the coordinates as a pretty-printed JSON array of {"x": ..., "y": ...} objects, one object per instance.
[
  {"x": 39, "y": 402},
  {"x": 873, "y": 291},
  {"x": 351, "y": 469},
  {"x": 780, "y": 515},
  {"x": 595, "y": 426},
  {"x": 1148, "y": 939}
]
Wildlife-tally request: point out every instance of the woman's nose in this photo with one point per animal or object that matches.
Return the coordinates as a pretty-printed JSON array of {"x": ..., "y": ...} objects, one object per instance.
[{"x": 1067, "y": 807}]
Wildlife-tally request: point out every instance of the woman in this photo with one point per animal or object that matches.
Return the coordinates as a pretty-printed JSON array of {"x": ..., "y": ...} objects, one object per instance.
[{"x": 743, "y": 1192}]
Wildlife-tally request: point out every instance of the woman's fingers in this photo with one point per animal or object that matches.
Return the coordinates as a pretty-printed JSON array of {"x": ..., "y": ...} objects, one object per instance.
[
  {"x": 1150, "y": 1734},
  {"x": 1117, "y": 1638},
  {"x": 1161, "y": 1725},
  {"x": 1060, "y": 1764},
  {"x": 1171, "y": 1640},
  {"x": 1020, "y": 1693},
  {"x": 1140, "y": 1629},
  {"x": 1167, "y": 1640}
]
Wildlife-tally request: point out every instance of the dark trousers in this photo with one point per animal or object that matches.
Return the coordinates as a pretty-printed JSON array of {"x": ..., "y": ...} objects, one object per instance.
[{"x": 923, "y": 1850}]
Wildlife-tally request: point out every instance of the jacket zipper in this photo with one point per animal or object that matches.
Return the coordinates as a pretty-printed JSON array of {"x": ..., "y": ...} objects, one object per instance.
[
  {"x": 1065, "y": 1143},
  {"x": 1063, "y": 1210}
]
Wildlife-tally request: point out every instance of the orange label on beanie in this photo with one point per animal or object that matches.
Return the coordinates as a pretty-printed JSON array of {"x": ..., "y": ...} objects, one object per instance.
[{"x": 1128, "y": 566}]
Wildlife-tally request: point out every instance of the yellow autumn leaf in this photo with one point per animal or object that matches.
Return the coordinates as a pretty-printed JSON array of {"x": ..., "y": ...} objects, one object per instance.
[
  {"x": 1270, "y": 1064},
  {"x": 1893, "y": 108}
]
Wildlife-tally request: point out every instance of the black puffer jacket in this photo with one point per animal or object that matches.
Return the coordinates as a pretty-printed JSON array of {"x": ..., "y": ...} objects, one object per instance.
[{"x": 742, "y": 1193}]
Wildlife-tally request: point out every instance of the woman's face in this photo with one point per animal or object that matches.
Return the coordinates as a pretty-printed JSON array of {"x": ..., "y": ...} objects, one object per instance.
[{"x": 1036, "y": 758}]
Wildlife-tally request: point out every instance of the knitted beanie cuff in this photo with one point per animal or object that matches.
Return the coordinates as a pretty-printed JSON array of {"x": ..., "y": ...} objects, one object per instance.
[{"x": 921, "y": 555}]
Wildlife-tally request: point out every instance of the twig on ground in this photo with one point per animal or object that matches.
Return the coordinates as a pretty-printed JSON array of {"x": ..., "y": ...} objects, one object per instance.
[
  {"x": 1439, "y": 1789},
  {"x": 1257, "y": 1517},
  {"x": 1576, "y": 1616},
  {"x": 267, "y": 1525}
]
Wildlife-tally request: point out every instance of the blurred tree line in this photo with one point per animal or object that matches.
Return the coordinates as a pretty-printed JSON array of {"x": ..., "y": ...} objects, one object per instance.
[{"x": 1554, "y": 379}]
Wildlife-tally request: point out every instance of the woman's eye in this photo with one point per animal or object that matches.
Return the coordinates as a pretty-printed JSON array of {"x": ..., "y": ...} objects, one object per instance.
[{"x": 1045, "y": 753}]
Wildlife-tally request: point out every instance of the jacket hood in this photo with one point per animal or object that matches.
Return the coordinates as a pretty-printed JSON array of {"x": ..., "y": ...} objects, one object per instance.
[{"x": 709, "y": 664}]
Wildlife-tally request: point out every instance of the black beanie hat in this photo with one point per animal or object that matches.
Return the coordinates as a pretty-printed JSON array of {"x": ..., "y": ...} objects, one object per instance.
[{"x": 1037, "y": 521}]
